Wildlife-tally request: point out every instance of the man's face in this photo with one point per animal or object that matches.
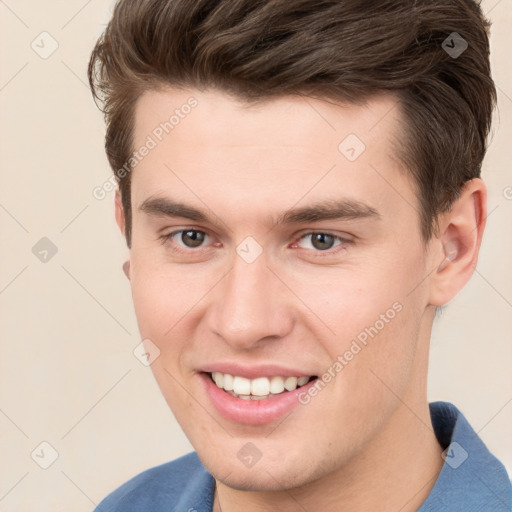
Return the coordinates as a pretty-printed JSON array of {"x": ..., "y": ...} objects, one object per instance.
[{"x": 269, "y": 242}]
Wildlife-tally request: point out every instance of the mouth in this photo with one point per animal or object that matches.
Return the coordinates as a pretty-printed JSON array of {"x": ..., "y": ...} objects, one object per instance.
[
  {"x": 260, "y": 388},
  {"x": 256, "y": 401}
]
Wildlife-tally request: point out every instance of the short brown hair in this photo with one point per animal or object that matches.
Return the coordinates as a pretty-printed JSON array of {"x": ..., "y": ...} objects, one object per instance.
[{"x": 344, "y": 49}]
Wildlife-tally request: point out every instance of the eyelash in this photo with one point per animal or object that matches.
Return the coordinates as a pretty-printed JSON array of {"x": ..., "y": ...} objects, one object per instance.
[{"x": 167, "y": 240}]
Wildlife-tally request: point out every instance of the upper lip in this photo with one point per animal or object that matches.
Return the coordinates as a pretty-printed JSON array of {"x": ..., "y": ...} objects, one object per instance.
[{"x": 254, "y": 371}]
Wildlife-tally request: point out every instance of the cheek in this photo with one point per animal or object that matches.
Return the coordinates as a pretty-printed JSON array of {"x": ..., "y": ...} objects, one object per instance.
[
  {"x": 344, "y": 304},
  {"x": 154, "y": 305},
  {"x": 165, "y": 303},
  {"x": 163, "y": 294},
  {"x": 368, "y": 321}
]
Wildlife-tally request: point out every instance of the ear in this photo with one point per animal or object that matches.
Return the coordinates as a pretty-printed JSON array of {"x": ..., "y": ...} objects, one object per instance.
[
  {"x": 456, "y": 246},
  {"x": 120, "y": 217}
]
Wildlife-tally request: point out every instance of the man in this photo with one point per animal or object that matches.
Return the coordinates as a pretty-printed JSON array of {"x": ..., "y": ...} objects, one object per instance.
[{"x": 299, "y": 188}]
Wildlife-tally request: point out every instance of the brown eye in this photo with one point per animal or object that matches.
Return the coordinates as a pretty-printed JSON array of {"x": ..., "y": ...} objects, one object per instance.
[
  {"x": 320, "y": 241},
  {"x": 192, "y": 238}
]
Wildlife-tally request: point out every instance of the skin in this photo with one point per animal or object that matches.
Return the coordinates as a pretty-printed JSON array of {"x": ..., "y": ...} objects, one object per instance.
[{"x": 365, "y": 442}]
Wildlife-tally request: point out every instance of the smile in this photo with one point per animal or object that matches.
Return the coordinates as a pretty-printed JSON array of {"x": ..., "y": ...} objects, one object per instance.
[
  {"x": 259, "y": 388},
  {"x": 258, "y": 400}
]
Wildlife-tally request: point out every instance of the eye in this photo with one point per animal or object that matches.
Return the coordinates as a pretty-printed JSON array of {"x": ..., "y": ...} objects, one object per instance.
[
  {"x": 190, "y": 238},
  {"x": 320, "y": 241}
]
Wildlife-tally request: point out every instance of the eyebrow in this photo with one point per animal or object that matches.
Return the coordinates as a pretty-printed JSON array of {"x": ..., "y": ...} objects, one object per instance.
[
  {"x": 163, "y": 207},
  {"x": 325, "y": 210},
  {"x": 329, "y": 210}
]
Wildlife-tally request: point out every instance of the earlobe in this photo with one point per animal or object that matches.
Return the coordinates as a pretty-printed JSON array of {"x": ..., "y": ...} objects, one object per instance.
[{"x": 460, "y": 235}]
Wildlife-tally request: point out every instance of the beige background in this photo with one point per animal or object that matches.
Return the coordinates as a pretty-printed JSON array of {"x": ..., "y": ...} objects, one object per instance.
[{"x": 68, "y": 373}]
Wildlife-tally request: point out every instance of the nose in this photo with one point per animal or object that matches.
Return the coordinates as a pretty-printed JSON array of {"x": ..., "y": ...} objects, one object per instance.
[{"x": 251, "y": 306}]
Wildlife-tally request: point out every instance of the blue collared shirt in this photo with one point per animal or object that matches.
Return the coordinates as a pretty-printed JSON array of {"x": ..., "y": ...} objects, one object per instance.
[{"x": 471, "y": 480}]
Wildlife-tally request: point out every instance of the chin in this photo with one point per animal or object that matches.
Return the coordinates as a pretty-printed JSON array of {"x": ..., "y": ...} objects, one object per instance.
[
  {"x": 260, "y": 481},
  {"x": 278, "y": 475}
]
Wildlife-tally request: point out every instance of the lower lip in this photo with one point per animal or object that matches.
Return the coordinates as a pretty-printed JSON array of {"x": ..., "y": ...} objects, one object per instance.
[{"x": 253, "y": 412}]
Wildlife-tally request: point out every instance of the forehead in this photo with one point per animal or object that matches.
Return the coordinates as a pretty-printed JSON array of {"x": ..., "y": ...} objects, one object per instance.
[
  {"x": 211, "y": 116},
  {"x": 276, "y": 151}
]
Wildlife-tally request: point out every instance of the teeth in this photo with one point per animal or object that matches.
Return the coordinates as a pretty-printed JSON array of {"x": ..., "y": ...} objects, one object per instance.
[
  {"x": 260, "y": 387},
  {"x": 256, "y": 389},
  {"x": 241, "y": 386},
  {"x": 302, "y": 380},
  {"x": 219, "y": 379},
  {"x": 228, "y": 382},
  {"x": 290, "y": 383},
  {"x": 276, "y": 385}
]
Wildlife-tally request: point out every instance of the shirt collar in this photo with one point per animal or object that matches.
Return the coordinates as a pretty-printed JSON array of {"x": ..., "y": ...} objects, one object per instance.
[{"x": 471, "y": 479}]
